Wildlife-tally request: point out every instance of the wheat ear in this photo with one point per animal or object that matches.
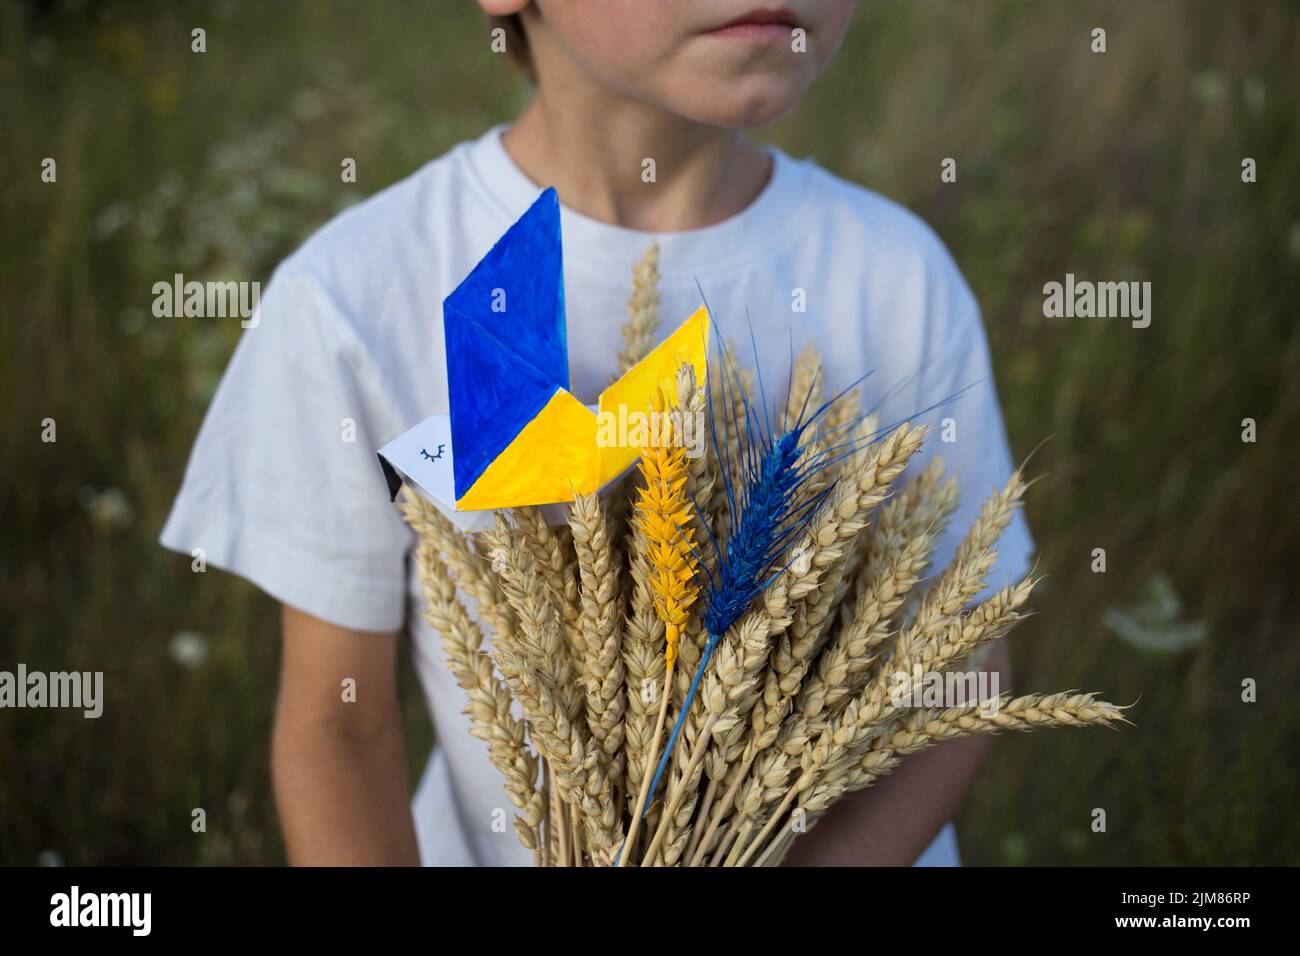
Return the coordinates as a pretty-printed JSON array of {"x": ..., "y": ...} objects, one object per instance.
[
  {"x": 964, "y": 576},
  {"x": 897, "y": 558},
  {"x": 601, "y": 626},
  {"x": 489, "y": 698},
  {"x": 643, "y": 664},
  {"x": 469, "y": 569},
  {"x": 821, "y": 554},
  {"x": 642, "y": 310},
  {"x": 733, "y": 397},
  {"x": 926, "y": 728},
  {"x": 807, "y": 388},
  {"x": 834, "y": 531},
  {"x": 556, "y": 574},
  {"x": 666, "y": 519},
  {"x": 533, "y": 667},
  {"x": 831, "y": 755}
]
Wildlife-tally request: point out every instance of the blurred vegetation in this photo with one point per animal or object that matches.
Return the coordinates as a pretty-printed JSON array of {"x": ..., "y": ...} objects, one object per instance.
[{"x": 1123, "y": 165}]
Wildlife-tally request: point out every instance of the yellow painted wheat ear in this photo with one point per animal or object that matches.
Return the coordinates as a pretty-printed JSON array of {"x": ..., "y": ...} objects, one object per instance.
[{"x": 664, "y": 515}]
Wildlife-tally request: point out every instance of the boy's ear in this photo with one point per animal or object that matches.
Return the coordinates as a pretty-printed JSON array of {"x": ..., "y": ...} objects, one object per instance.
[
  {"x": 504, "y": 18},
  {"x": 502, "y": 8}
]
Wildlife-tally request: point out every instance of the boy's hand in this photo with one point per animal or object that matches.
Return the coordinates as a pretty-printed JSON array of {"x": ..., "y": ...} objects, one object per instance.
[{"x": 337, "y": 755}]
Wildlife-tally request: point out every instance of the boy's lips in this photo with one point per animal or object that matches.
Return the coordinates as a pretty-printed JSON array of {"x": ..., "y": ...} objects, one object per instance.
[{"x": 762, "y": 24}]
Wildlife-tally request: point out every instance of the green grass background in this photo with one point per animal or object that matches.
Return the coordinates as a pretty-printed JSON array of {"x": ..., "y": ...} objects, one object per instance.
[{"x": 1124, "y": 165}]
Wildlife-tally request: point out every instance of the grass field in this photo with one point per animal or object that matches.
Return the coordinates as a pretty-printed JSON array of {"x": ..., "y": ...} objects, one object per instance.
[{"x": 1122, "y": 165}]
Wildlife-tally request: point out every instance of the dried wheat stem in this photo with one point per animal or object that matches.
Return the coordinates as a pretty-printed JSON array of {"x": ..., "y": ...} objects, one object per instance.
[
  {"x": 723, "y": 843},
  {"x": 675, "y": 798},
  {"x": 469, "y": 569},
  {"x": 682, "y": 791},
  {"x": 489, "y": 699},
  {"x": 642, "y": 311},
  {"x": 965, "y": 574},
  {"x": 644, "y": 793},
  {"x": 691, "y": 724},
  {"x": 778, "y": 848},
  {"x": 575, "y": 832},
  {"x": 560, "y": 816},
  {"x": 742, "y": 841},
  {"x": 835, "y": 527},
  {"x": 557, "y": 820},
  {"x": 897, "y": 558},
  {"x": 600, "y": 622},
  {"x": 710, "y": 793},
  {"x": 556, "y": 574},
  {"x": 747, "y": 793},
  {"x": 643, "y": 663},
  {"x": 733, "y": 393},
  {"x": 820, "y": 554},
  {"x": 807, "y": 387},
  {"x": 834, "y": 752},
  {"x": 535, "y": 670},
  {"x": 926, "y": 728}
]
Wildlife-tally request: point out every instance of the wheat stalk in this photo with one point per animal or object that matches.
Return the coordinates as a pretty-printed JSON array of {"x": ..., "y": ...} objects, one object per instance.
[
  {"x": 469, "y": 569},
  {"x": 821, "y": 554},
  {"x": 555, "y": 571},
  {"x": 642, "y": 311},
  {"x": 665, "y": 518},
  {"x": 898, "y": 556},
  {"x": 600, "y": 624},
  {"x": 930, "y": 727},
  {"x": 836, "y": 749},
  {"x": 489, "y": 698}
]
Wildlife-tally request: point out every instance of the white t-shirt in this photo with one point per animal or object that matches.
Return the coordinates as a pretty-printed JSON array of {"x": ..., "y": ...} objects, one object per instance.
[{"x": 348, "y": 343}]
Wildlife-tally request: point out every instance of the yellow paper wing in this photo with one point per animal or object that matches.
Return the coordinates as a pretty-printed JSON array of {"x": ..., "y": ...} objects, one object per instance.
[
  {"x": 634, "y": 390},
  {"x": 552, "y": 458}
]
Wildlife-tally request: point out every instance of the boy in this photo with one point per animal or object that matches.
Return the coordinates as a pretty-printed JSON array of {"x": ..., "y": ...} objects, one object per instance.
[{"x": 349, "y": 336}]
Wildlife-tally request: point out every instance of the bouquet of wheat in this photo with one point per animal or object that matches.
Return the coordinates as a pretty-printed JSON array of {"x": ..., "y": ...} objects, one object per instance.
[{"x": 703, "y": 661}]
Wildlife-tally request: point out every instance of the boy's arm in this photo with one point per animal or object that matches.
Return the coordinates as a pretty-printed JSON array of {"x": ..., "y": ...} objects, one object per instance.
[
  {"x": 339, "y": 768},
  {"x": 893, "y": 820}
]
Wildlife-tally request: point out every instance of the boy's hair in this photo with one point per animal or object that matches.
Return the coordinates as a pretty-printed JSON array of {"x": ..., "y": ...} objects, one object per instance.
[{"x": 516, "y": 41}]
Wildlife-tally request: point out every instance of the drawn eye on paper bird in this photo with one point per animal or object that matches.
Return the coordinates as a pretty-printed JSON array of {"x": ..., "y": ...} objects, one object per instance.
[{"x": 517, "y": 434}]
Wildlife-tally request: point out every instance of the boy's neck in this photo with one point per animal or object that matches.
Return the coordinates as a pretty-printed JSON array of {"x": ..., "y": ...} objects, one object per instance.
[{"x": 592, "y": 145}]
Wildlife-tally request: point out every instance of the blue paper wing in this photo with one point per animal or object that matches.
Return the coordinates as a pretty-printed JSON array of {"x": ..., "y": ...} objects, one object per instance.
[{"x": 507, "y": 350}]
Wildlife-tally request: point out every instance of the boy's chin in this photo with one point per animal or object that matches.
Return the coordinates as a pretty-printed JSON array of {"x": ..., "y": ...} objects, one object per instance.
[{"x": 739, "y": 105}]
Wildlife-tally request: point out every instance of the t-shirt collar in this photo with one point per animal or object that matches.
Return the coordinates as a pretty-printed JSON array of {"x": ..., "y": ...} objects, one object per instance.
[{"x": 591, "y": 243}]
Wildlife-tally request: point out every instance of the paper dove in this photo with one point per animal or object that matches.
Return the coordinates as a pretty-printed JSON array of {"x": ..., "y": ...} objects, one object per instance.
[{"x": 515, "y": 434}]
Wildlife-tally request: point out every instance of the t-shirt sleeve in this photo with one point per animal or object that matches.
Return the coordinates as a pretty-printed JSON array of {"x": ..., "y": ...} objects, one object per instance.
[
  {"x": 283, "y": 487},
  {"x": 968, "y": 433}
]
